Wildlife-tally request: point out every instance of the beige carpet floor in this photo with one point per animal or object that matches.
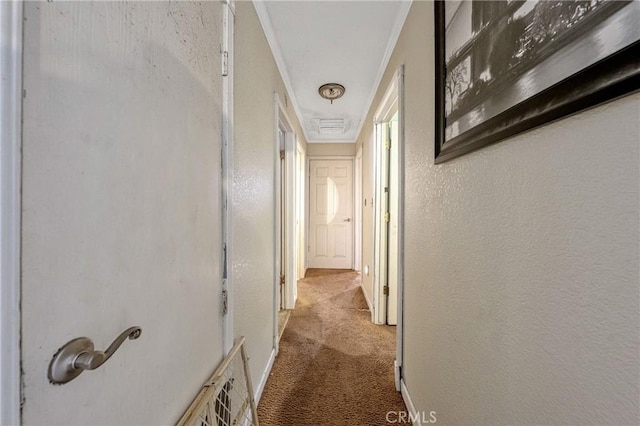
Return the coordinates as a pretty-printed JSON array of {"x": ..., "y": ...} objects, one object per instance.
[{"x": 334, "y": 366}]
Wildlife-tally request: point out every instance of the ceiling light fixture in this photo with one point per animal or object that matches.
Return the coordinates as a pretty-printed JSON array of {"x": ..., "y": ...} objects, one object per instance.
[{"x": 331, "y": 91}]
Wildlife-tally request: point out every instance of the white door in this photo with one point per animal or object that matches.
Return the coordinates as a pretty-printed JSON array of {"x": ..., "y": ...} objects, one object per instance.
[
  {"x": 331, "y": 214},
  {"x": 121, "y": 206}
]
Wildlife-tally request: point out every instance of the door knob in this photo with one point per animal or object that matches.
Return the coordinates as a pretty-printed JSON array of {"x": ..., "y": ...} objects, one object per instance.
[
  {"x": 347, "y": 219},
  {"x": 78, "y": 355}
]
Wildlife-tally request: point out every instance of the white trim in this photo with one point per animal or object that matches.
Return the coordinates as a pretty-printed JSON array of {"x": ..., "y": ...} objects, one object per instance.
[
  {"x": 281, "y": 120},
  {"x": 282, "y": 114},
  {"x": 227, "y": 175},
  {"x": 379, "y": 237},
  {"x": 393, "y": 39},
  {"x": 291, "y": 254},
  {"x": 406, "y": 396},
  {"x": 307, "y": 203},
  {"x": 401, "y": 224},
  {"x": 329, "y": 157},
  {"x": 388, "y": 102},
  {"x": 11, "y": 27},
  {"x": 290, "y": 148},
  {"x": 301, "y": 179},
  {"x": 391, "y": 101},
  {"x": 357, "y": 213},
  {"x": 265, "y": 376},
  {"x": 267, "y": 28},
  {"x": 277, "y": 232}
]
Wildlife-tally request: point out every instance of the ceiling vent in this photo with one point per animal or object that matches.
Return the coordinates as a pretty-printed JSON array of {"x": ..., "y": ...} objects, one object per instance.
[{"x": 331, "y": 126}]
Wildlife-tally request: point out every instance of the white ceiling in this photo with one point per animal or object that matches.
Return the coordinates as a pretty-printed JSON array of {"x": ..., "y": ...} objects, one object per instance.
[{"x": 345, "y": 42}]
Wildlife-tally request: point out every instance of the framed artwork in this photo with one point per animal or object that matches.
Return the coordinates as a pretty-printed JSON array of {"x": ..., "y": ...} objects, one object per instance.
[{"x": 503, "y": 67}]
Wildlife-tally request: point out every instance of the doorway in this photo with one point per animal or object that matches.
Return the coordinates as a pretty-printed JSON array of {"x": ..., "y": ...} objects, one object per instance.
[
  {"x": 389, "y": 214},
  {"x": 386, "y": 218},
  {"x": 287, "y": 235},
  {"x": 331, "y": 213}
]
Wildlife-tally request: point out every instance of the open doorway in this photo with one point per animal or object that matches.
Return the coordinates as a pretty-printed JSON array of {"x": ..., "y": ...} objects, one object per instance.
[
  {"x": 288, "y": 224},
  {"x": 386, "y": 219},
  {"x": 389, "y": 213}
]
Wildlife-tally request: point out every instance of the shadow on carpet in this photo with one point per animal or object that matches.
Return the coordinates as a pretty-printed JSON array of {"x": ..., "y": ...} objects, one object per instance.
[{"x": 334, "y": 366}]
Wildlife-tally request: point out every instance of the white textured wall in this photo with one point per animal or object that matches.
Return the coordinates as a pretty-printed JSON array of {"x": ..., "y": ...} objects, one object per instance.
[
  {"x": 121, "y": 214},
  {"x": 522, "y": 282},
  {"x": 256, "y": 79},
  {"x": 330, "y": 149}
]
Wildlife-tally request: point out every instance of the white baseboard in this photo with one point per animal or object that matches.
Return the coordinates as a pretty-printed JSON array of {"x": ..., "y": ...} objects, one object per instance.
[
  {"x": 409, "y": 403},
  {"x": 366, "y": 297},
  {"x": 265, "y": 376}
]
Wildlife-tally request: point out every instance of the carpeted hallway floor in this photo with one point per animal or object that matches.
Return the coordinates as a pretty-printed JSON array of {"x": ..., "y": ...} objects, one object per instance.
[{"x": 334, "y": 366}]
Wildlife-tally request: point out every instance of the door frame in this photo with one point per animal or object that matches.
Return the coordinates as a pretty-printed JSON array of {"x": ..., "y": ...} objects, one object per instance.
[
  {"x": 394, "y": 96},
  {"x": 227, "y": 176},
  {"x": 291, "y": 252},
  {"x": 11, "y": 30},
  {"x": 387, "y": 108},
  {"x": 379, "y": 313},
  {"x": 282, "y": 121},
  {"x": 301, "y": 200},
  {"x": 357, "y": 210},
  {"x": 308, "y": 186}
]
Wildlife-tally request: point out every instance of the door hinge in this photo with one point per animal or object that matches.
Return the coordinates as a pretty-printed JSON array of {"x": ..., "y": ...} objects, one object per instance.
[
  {"x": 282, "y": 155},
  {"x": 385, "y": 290},
  {"x": 387, "y": 217},
  {"x": 225, "y": 302},
  {"x": 225, "y": 63},
  {"x": 281, "y": 279},
  {"x": 387, "y": 144}
]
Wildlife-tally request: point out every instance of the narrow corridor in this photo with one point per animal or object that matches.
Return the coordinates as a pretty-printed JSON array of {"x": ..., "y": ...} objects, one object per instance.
[{"x": 334, "y": 366}]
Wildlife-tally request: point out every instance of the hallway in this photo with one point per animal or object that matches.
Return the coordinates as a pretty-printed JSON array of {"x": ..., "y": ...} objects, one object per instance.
[
  {"x": 334, "y": 366},
  {"x": 155, "y": 172}
]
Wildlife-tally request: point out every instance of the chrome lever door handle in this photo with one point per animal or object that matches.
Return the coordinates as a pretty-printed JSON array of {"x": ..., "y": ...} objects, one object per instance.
[
  {"x": 78, "y": 355},
  {"x": 91, "y": 360},
  {"x": 347, "y": 220}
]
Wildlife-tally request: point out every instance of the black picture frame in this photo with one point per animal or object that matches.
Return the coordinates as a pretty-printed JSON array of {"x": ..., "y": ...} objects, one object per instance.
[{"x": 488, "y": 108}]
